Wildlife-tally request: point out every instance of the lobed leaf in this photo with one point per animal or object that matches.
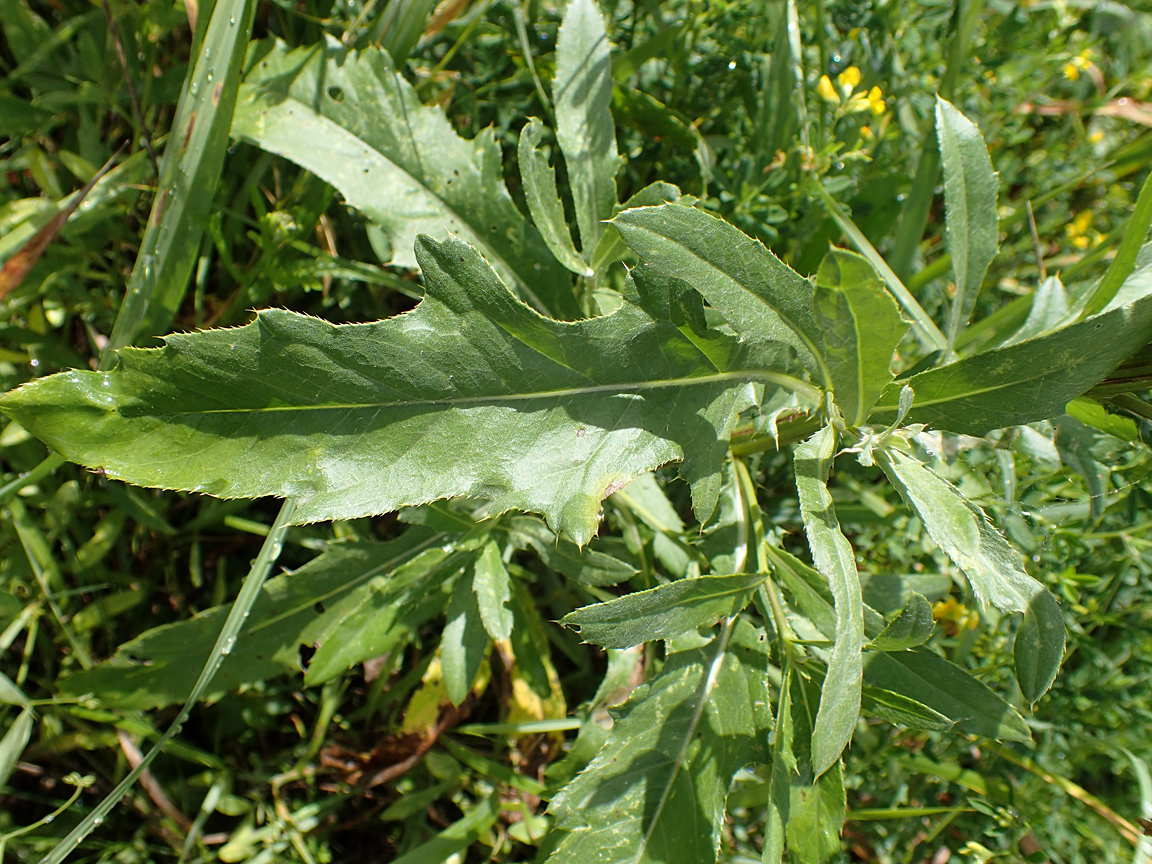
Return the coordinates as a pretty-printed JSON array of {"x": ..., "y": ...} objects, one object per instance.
[
  {"x": 470, "y": 394},
  {"x": 351, "y": 119},
  {"x": 663, "y": 612},
  {"x": 993, "y": 567},
  {"x": 860, "y": 328},
  {"x": 970, "y": 218},
  {"x": 834, "y": 558},
  {"x": 1025, "y": 382},
  {"x": 544, "y": 201},
  {"x": 586, "y": 566}
]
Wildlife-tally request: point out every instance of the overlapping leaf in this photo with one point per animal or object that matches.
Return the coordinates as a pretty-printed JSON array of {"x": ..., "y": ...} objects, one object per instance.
[
  {"x": 663, "y": 612},
  {"x": 1028, "y": 381},
  {"x": 758, "y": 294},
  {"x": 970, "y": 209},
  {"x": 361, "y": 591},
  {"x": 656, "y": 792},
  {"x": 994, "y": 569},
  {"x": 860, "y": 327},
  {"x": 582, "y": 92},
  {"x": 942, "y": 687},
  {"x": 840, "y": 698},
  {"x": 352, "y": 120},
  {"x": 470, "y": 394}
]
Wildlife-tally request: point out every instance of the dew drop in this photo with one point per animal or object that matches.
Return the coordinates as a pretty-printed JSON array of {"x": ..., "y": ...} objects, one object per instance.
[{"x": 731, "y": 64}]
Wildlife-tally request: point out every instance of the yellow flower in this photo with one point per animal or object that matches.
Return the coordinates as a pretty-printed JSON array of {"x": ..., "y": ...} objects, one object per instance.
[
  {"x": 866, "y": 133},
  {"x": 876, "y": 101},
  {"x": 1096, "y": 137},
  {"x": 848, "y": 79},
  {"x": 827, "y": 91},
  {"x": 959, "y": 616},
  {"x": 1080, "y": 62}
]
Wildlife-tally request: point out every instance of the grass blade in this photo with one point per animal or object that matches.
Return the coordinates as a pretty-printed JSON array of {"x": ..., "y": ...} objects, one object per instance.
[
  {"x": 189, "y": 173},
  {"x": 249, "y": 591}
]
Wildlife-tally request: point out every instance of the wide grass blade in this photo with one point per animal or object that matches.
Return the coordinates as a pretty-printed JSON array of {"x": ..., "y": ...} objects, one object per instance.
[{"x": 189, "y": 172}]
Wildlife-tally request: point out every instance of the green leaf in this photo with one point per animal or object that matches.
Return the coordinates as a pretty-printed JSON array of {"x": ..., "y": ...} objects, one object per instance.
[
  {"x": 457, "y": 837},
  {"x": 582, "y": 92},
  {"x": 860, "y": 327},
  {"x": 834, "y": 558},
  {"x": 380, "y": 614},
  {"x": 470, "y": 394},
  {"x": 1050, "y": 310},
  {"x": 784, "y": 768},
  {"x": 585, "y": 566},
  {"x": 912, "y": 627},
  {"x": 10, "y": 694},
  {"x": 993, "y": 567},
  {"x": 805, "y": 810},
  {"x": 756, "y": 292},
  {"x": 353, "y": 121},
  {"x": 664, "y": 612},
  {"x": 1022, "y": 383},
  {"x": 918, "y": 674},
  {"x": 491, "y": 584},
  {"x": 544, "y": 201},
  {"x": 160, "y": 666},
  {"x": 971, "y": 221},
  {"x": 948, "y": 690},
  {"x": 902, "y": 710},
  {"x": 14, "y": 742},
  {"x": 656, "y": 792},
  {"x": 464, "y": 642}
]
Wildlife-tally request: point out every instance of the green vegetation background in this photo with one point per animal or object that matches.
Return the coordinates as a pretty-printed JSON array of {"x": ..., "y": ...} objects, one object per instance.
[{"x": 1060, "y": 92}]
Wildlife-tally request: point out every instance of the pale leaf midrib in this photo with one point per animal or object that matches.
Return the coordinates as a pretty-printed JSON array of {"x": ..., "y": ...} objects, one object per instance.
[{"x": 748, "y": 375}]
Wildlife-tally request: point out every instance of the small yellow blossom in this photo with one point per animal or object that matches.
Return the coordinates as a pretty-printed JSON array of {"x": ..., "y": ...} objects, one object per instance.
[
  {"x": 1081, "y": 62},
  {"x": 848, "y": 80},
  {"x": 1078, "y": 231},
  {"x": 952, "y": 612},
  {"x": 876, "y": 101},
  {"x": 827, "y": 91},
  {"x": 866, "y": 133},
  {"x": 1096, "y": 137}
]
